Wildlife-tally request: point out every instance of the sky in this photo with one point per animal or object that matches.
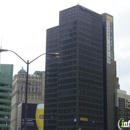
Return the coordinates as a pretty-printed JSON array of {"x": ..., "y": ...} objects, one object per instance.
[{"x": 23, "y": 25}]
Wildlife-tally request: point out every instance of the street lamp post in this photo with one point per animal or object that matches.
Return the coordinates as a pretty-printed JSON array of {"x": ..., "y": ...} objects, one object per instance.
[{"x": 28, "y": 63}]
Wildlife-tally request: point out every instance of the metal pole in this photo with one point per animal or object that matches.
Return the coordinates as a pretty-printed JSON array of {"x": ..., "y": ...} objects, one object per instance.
[
  {"x": 26, "y": 89},
  {"x": 26, "y": 96}
]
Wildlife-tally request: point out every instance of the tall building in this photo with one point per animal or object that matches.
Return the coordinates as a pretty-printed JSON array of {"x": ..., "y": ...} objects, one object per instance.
[
  {"x": 79, "y": 86},
  {"x": 108, "y": 72},
  {"x": 35, "y": 92},
  {"x": 6, "y": 76},
  {"x": 122, "y": 106}
]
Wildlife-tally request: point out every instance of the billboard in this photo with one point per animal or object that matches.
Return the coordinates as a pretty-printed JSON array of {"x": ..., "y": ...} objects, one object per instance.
[{"x": 35, "y": 117}]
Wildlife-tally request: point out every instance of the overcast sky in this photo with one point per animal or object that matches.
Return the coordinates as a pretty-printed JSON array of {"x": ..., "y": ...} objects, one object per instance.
[{"x": 23, "y": 25}]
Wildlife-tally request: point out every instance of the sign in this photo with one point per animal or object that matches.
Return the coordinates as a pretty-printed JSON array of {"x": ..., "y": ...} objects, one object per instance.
[
  {"x": 109, "y": 39},
  {"x": 83, "y": 119},
  {"x": 35, "y": 117}
]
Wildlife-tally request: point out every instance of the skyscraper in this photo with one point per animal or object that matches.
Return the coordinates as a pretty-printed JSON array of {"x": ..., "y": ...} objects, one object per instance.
[
  {"x": 79, "y": 83},
  {"x": 6, "y": 75}
]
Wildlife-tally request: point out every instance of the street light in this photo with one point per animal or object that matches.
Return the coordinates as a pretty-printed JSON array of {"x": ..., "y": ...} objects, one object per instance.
[{"x": 27, "y": 63}]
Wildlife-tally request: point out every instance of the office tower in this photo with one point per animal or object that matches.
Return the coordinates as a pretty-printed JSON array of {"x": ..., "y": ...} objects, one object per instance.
[
  {"x": 35, "y": 92},
  {"x": 122, "y": 106},
  {"x": 79, "y": 83},
  {"x": 6, "y": 74},
  {"x": 108, "y": 72}
]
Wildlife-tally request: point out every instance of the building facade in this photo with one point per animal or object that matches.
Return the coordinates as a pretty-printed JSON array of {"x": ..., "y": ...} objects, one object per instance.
[
  {"x": 79, "y": 86},
  {"x": 6, "y": 76},
  {"x": 122, "y": 106},
  {"x": 35, "y": 92},
  {"x": 108, "y": 72}
]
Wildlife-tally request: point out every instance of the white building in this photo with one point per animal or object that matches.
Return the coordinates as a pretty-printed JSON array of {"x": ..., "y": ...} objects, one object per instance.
[
  {"x": 35, "y": 92},
  {"x": 122, "y": 102}
]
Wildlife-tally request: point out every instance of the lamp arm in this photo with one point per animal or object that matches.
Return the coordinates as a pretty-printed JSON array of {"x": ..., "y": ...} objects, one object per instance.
[
  {"x": 18, "y": 56},
  {"x": 37, "y": 58}
]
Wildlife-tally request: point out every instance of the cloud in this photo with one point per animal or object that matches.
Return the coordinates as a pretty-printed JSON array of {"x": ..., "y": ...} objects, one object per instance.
[{"x": 122, "y": 46}]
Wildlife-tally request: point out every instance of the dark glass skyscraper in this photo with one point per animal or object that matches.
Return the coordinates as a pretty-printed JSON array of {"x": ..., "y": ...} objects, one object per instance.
[{"x": 79, "y": 83}]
